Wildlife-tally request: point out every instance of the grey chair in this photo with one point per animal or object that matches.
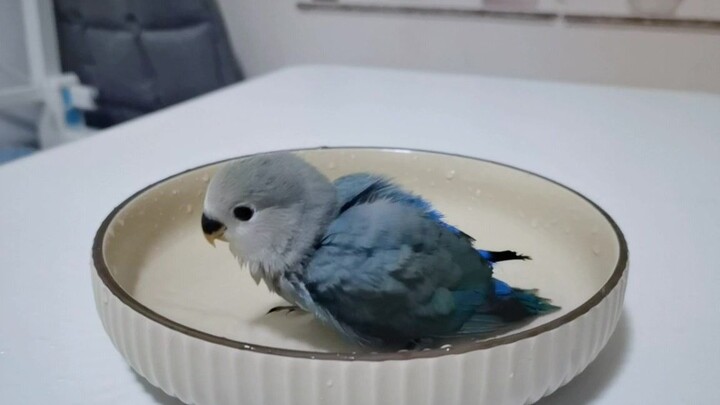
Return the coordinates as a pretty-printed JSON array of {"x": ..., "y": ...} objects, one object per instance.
[{"x": 143, "y": 55}]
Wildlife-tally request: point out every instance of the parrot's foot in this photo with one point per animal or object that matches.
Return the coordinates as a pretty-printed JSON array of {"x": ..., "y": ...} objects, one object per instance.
[{"x": 288, "y": 308}]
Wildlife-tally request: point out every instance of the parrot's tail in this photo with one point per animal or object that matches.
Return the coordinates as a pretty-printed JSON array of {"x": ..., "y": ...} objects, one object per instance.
[
  {"x": 501, "y": 256},
  {"x": 511, "y": 307},
  {"x": 516, "y": 302},
  {"x": 529, "y": 301}
]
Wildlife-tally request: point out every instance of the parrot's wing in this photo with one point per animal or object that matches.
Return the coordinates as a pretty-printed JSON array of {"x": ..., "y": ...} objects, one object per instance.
[
  {"x": 386, "y": 270},
  {"x": 358, "y": 188},
  {"x": 361, "y": 188}
]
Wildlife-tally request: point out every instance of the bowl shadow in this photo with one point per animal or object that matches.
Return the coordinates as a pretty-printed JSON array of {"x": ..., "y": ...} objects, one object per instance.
[
  {"x": 600, "y": 374},
  {"x": 159, "y": 396}
]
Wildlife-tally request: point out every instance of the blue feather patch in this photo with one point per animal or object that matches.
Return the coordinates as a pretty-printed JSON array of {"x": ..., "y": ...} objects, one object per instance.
[
  {"x": 502, "y": 289},
  {"x": 485, "y": 254}
]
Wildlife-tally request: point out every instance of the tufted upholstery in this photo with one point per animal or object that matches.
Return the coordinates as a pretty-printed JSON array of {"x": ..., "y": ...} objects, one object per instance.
[{"x": 143, "y": 55}]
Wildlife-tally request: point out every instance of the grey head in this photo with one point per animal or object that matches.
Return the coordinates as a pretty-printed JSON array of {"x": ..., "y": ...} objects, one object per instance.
[{"x": 271, "y": 209}]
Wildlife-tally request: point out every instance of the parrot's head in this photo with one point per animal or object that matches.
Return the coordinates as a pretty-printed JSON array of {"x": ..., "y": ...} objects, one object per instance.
[{"x": 269, "y": 208}]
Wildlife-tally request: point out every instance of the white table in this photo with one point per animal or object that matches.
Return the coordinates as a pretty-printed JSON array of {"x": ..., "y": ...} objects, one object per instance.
[{"x": 650, "y": 158}]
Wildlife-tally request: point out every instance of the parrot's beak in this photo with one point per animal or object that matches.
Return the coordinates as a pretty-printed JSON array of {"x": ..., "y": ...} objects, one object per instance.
[{"x": 213, "y": 229}]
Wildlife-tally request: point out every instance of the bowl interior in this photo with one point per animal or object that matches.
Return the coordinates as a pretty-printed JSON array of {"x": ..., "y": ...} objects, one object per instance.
[{"x": 155, "y": 250}]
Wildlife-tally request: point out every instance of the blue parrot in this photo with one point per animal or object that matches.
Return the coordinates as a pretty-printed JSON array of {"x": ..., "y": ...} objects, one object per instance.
[{"x": 373, "y": 261}]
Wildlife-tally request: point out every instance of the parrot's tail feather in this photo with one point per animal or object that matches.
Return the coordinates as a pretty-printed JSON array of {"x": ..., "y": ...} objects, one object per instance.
[
  {"x": 533, "y": 304},
  {"x": 510, "y": 310},
  {"x": 502, "y": 255},
  {"x": 502, "y": 289}
]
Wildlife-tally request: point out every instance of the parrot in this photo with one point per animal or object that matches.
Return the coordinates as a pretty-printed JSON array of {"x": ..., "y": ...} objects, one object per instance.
[{"x": 369, "y": 259}]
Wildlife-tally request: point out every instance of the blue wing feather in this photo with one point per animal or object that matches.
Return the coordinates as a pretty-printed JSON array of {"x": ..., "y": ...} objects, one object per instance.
[{"x": 501, "y": 288}]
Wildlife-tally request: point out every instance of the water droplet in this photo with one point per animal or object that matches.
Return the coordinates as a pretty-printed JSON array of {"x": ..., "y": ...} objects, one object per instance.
[
  {"x": 189, "y": 208},
  {"x": 450, "y": 174},
  {"x": 512, "y": 375},
  {"x": 121, "y": 222},
  {"x": 199, "y": 193},
  {"x": 414, "y": 157},
  {"x": 205, "y": 178},
  {"x": 478, "y": 191},
  {"x": 352, "y": 156},
  {"x": 594, "y": 230},
  {"x": 446, "y": 347},
  {"x": 172, "y": 218},
  {"x": 403, "y": 351},
  {"x": 331, "y": 165},
  {"x": 246, "y": 346},
  {"x": 174, "y": 192},
  {"x": 329, "y": 383},
  {"x": 534, "y": 223},
  {"x": 2, "y": 352},
  {"x": 155, "y": 226},
  {"x": 596, "y": 250},
  {"x": 432, "y": 184}
]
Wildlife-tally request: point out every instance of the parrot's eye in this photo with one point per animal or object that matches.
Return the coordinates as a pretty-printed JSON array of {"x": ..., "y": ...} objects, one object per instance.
[{"x": 243, "y": 213}]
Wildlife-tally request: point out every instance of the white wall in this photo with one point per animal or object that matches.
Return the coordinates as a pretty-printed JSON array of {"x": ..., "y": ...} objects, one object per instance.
[
  {"x": 270, "y": 34},
  {"x": 17, "y": 125}
]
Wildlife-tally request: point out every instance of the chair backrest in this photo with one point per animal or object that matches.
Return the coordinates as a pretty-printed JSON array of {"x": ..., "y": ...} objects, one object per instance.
[{"x": 144, "y": 55}]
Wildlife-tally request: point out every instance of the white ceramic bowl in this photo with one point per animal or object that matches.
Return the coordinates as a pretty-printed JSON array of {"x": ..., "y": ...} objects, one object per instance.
[{"x": 192, "y": 322}]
